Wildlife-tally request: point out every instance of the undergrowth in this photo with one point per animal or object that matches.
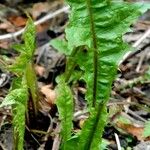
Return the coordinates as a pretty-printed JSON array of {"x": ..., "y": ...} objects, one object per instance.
[
  {"x": 93, "y": 44},
  {"x": 24, "y": 87}
]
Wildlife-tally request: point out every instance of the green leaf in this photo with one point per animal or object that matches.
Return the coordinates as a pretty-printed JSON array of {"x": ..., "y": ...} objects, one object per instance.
[
  {"x": 29, "y": 37},
  {"x": 73, "y": 141},
  {"x": 19, "y": 111},
  {"x": 65, "y": 108},
  {"x": 16, "y": 82},
  {"x": 103, "y": 145},
  {"x": 146, "y": 132},
  {"x": 31, "y": 82},
  {"x": 61, "y": 46},
  {"x": 26, "y": 50},
  {"x": 16, "y": 96},
  {"x": 18, "y": 99},
  {"x": 19, "y": 64},
  {"x": 99, "y": 25},
  {"x": 90, "y": 138},
  {"x": 109, "y": 22},
  {"x": 19, "y": 47}
]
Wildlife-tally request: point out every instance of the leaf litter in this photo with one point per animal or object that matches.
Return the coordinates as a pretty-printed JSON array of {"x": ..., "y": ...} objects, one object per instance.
[{"x": 137, "y": 92}]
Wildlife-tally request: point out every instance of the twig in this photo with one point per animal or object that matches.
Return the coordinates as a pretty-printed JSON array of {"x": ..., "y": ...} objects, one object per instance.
[
  {"x": 120, "y": 103},
  {"x": 2, "y": 122},
  {"x": 2, "y": 146},
  {"x": 45, "y": 18},
  {"x": 131, "y": 119},
  {"x": 42, "y": 147},
  {"x": 145, "y": 35},
  {"x": 135, "y": 45},
  {"x": 32, "y": 136},
  {"x": 57, "y": 140},
  {"x": 136, "y": 115},
  {"x": 141, "y": 60},
  {"x": 130, "y": 83},
  {"x": 117, "y": 141},
  {"x": 80, "y": 115}
]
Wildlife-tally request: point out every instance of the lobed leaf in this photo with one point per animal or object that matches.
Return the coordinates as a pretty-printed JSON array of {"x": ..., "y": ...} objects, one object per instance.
[
  {"x": 99, "y": 25},
  {"x": 19, "y": 111},
  {"x": 111, "y": 21},
  {"x": 27, "y": 49},
  {"x": 29, "y": 37},
  {"x": 18, "y": 99},
  {"x": 60, "y": 45},
  {"x": 17, "y": 96},
  {"x": 31, "y": 82},
  {"x": 65, "y": 108},
  {"x": 19, "y": 47},
  {"x": 93, "y": 128}
]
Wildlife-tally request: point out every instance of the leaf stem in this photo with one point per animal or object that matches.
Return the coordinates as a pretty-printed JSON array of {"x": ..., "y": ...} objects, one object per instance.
[
  {"x": 100, "y": 111},
  {"x": 32, "y": 86},
  {"x": 95, "y": 56},
  {"x": 68, "y": 70}
]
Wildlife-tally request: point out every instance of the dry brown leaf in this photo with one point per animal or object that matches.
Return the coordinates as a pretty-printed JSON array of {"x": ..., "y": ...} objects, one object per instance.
[
  {"x": 39, "y": 8},
  {"x": 132, "y": 129},
  {"x": 5, "y": 25},
  {"x": 82, "y": 90},
  {"x": 49, "y": 94},
  {"x": 43, "y": 26},
  {"x": 39, "y": 70},
  {"x": 5, "y": 44},
  {"x": 18, "y": 21}
]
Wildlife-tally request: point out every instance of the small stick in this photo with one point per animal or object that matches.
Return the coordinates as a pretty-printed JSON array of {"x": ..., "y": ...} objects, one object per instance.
[
  {"x": 117, "y": 141},
  {"x": 141, "y": 60},
  {"x": 135, "y": 45},
  {"x": 145, "y": 35},
  {"x": 42, "y": 147},
  {"x": 136, "y": 115},
  {"x": 45, "y": 18},
  {"x": 2, "y": 146},
  {"x": 57, "y": 140}
]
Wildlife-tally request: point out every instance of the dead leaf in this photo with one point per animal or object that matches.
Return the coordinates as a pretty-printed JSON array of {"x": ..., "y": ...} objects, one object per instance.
[
  {"x": 18, "y": 21},
  {"x": 43, "y": 26},
  {"x": 49, "y": 94},
  {"x": 132, "y": 129},
  {"x": 39, "y": 8},
  {"x": 39, "y": 70},
  {"x": 5, "y": 44},
  {"x": 5, "y": 25}
]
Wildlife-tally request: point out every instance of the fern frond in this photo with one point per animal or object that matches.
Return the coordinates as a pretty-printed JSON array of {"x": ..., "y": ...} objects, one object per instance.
[
  {"x": 99, "y": 25},
  {"x": 18, "y": 99},
  {"x": 65, "y": 108}
]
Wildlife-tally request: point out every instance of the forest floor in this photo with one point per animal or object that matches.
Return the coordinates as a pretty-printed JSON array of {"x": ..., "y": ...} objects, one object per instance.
[{"x": 129, "y": 105}]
